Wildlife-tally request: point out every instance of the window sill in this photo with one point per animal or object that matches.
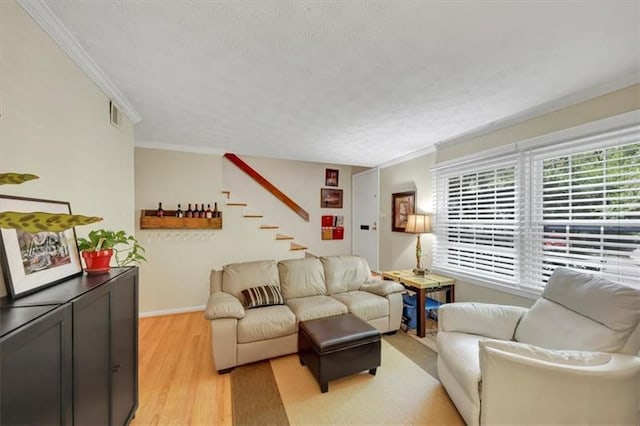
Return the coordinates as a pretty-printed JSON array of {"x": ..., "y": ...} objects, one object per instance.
[{"x": 490, "y": 283}]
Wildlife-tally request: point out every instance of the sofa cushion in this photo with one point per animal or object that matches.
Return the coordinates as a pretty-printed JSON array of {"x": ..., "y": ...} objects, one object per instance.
[
  {"x": 571, "y": 358},
  {"x": 301, "y": 278},
  {"x": 266, "y": 295},
  {"x": 239, "y": 276},
  {"x": 365, "y": 305},
  {"x": 615, "y": 305},
  {"x": 307, "y": 308},
  {"x": 345, "y": 273},
  {"x": 460, "y": 351},
  {"x": 266, "y": 323},
  {"x": 552, "y": 326}
]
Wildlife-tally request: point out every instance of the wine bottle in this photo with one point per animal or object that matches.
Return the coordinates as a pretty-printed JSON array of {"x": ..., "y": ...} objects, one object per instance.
[
  {"x": 203, "y": 212},
  {"x": 160, "y": 211},
  {"x": 189, "y": 211},
  {"x": 179, "y": 212},
  {"x": 208, "y": 213},
  {"x": 216, "y": 213}
]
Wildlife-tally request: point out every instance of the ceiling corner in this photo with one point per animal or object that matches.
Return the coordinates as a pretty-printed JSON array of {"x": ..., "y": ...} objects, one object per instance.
[{"x": 41, "y": 13}]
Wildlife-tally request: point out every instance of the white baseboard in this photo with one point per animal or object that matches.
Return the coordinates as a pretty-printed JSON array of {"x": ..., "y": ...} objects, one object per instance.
[{"x": 171, "y": 311}]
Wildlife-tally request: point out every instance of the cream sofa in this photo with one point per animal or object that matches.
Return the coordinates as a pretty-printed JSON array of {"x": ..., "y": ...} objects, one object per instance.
[
  {"x": 311, "y": 288},
  {"x": 572, "y": 358}
]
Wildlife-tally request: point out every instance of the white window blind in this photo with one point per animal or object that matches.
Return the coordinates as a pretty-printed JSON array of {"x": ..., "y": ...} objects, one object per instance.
[
  {"x": 512, "y": 220},
  {"x": 586, "y": 214},
  {"x": 478, "y": 230}
]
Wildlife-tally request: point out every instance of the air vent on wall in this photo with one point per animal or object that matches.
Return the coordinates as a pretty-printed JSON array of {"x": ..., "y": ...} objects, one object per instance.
[{"x": 114, "y": 114}]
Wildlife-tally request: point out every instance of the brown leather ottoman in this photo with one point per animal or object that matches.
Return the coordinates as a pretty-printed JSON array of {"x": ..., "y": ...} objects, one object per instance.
[{"x": 338, "y": 346}]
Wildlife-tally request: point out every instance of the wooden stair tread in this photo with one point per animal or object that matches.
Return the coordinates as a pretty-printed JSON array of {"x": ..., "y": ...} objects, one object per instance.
[
  {"x": 237, "y": 204},
  {"x": 253, "y": 215},
  {"x": 283, "y": 237},
  {"x": 269, "y": 227},
  {"x": 295, "y": 246}
]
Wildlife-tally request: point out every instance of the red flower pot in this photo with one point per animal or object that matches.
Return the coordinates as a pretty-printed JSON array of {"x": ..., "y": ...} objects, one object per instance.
[{"x": 97, "y": 261}]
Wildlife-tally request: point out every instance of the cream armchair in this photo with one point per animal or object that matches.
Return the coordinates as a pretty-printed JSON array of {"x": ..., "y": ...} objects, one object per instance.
[{"x": 572, "y": 358}]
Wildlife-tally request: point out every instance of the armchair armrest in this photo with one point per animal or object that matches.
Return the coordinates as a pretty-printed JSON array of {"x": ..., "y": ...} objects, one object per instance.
[
  {"x": 223, "y": 305},
  {"x": 521, "y": 381},
  {"x": 382, "y": 287},
  {"x": 484, "y": 319}
]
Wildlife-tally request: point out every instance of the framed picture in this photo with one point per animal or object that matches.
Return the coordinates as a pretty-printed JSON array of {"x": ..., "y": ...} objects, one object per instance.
[
  {"x": 402, "y": 205},
  {"x": 32, "y": 261},
  {"x": 331, "y": 177},
  {"x": 331, "y": 198}
]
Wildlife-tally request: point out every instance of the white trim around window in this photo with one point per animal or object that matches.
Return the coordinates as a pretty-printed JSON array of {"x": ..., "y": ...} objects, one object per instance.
[{"x": 506, "y": 218}]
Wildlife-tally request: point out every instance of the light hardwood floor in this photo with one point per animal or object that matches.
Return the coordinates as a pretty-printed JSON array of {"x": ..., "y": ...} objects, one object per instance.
[{"x": 178, "y": 384}]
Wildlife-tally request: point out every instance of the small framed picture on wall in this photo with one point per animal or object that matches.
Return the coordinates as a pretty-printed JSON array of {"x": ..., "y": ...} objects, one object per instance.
[
  {"x": 331, "y": 177},
  {"x": 402, "y": 205},
  {"x": 331, "y": 198}
]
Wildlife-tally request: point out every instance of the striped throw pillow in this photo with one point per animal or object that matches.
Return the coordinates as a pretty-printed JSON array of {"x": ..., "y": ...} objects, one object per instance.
[{"x": 262, "y": 296}]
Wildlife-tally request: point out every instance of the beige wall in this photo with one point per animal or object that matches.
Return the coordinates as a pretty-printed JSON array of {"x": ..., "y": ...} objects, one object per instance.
[
  {"x": 55, "y": 124},
  {"x": 398, "y": 250},
  {"x": 301, "y": 181},
  {"x": 176, "y": 276}
]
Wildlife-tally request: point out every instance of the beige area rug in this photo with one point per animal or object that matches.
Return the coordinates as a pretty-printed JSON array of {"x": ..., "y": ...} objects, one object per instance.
[{"x": 282, "y": 392}]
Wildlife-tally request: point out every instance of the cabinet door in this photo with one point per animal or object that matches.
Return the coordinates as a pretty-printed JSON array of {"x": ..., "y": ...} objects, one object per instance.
[
  {"x": 35, "y": 367},
  {"x": 91, "y": 358},
  {"x": 124, "y": 350}
]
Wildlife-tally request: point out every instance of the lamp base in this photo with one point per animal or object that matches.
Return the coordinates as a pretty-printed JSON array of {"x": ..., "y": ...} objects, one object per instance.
[{"x": 420, "y": 272}]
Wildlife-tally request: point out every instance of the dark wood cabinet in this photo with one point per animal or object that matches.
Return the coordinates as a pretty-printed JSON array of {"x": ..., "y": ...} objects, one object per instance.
[
  {"x": 99, "y": 381},
  {"x": 35, "y": 368},
  {"x": 91, "y": 358},
  {"x": 124, "y": 353}
]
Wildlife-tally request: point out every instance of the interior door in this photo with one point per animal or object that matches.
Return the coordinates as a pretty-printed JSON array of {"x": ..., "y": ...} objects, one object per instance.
[{"x": 366, "y": 212}]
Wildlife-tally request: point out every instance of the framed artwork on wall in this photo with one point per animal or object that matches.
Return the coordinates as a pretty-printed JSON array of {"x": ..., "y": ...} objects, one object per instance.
[
  {"x": 34, "y": 260},
  {"x": 331, "y": 177},
  {"x": 402, "y": 205},
  {"x": 331, "y": 198}
]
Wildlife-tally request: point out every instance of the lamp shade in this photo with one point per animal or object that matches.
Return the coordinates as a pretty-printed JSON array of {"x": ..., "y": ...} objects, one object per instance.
[{"x": 418, "y": 224}]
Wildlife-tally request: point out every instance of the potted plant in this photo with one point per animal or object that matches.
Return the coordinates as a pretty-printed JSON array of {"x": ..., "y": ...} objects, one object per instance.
[{"x": 101, "y": 244}]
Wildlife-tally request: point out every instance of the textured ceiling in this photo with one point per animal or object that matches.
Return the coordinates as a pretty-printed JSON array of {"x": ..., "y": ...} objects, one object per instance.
[{"x": 351, "y": 82}]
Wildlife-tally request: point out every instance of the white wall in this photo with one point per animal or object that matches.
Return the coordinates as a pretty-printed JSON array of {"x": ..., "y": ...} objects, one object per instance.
[
  {"x": 301, "y": 181},
  {"x": 397, "y": 251},
  {"x": 176, "y": 276},
  {"x": 55, "y": 124}
]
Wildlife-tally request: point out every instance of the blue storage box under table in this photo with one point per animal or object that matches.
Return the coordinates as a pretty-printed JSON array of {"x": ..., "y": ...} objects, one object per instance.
[{"x": 409, "y": 315}]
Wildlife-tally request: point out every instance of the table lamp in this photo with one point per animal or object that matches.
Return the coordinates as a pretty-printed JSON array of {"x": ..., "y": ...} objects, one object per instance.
[{"x": 418, "y": 224}]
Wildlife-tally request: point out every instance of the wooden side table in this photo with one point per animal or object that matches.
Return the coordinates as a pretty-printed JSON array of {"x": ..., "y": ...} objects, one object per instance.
[{"x": 422, "y": 285}]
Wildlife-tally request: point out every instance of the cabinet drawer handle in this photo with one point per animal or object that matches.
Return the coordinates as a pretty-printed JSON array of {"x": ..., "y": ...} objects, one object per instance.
[{"x": 116, "y": 368}]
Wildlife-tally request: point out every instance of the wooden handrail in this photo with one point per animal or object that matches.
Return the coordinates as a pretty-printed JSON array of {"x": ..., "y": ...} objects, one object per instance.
[{"x": 267, "y": 185}]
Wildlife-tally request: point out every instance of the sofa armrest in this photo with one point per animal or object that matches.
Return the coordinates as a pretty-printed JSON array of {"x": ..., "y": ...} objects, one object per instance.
[
  {"x": 484, "y": 319},
  {"x": 382, "y": 287},
  {"x": 569, "y": 387},
  {"x": 223, "y": 305}
]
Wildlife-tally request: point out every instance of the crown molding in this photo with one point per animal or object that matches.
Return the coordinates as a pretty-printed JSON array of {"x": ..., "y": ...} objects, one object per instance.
[
  {"x": 50, "y": 23},
  {"x": 181, "y": 148},
  {"x": 622, "y": 82},
  {"x": 424, "y": 151}
]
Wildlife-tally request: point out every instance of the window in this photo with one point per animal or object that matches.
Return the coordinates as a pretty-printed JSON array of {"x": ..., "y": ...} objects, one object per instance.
[
  {"x": 514, "y": 219},
  {"x": 480, "y": 223}
]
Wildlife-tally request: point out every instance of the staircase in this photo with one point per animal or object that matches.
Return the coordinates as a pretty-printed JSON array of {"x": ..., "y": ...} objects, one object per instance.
[{"x": 250, "y": 216}]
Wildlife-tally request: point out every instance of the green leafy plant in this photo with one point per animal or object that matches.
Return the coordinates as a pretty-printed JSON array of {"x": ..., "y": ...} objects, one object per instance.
[
  {"x": 102, "y": 239},
  {"x": 38, "y": 221}
]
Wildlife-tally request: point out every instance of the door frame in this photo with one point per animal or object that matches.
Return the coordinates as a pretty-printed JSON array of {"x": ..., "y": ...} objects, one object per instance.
[{"x": 354, "y": 226}]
